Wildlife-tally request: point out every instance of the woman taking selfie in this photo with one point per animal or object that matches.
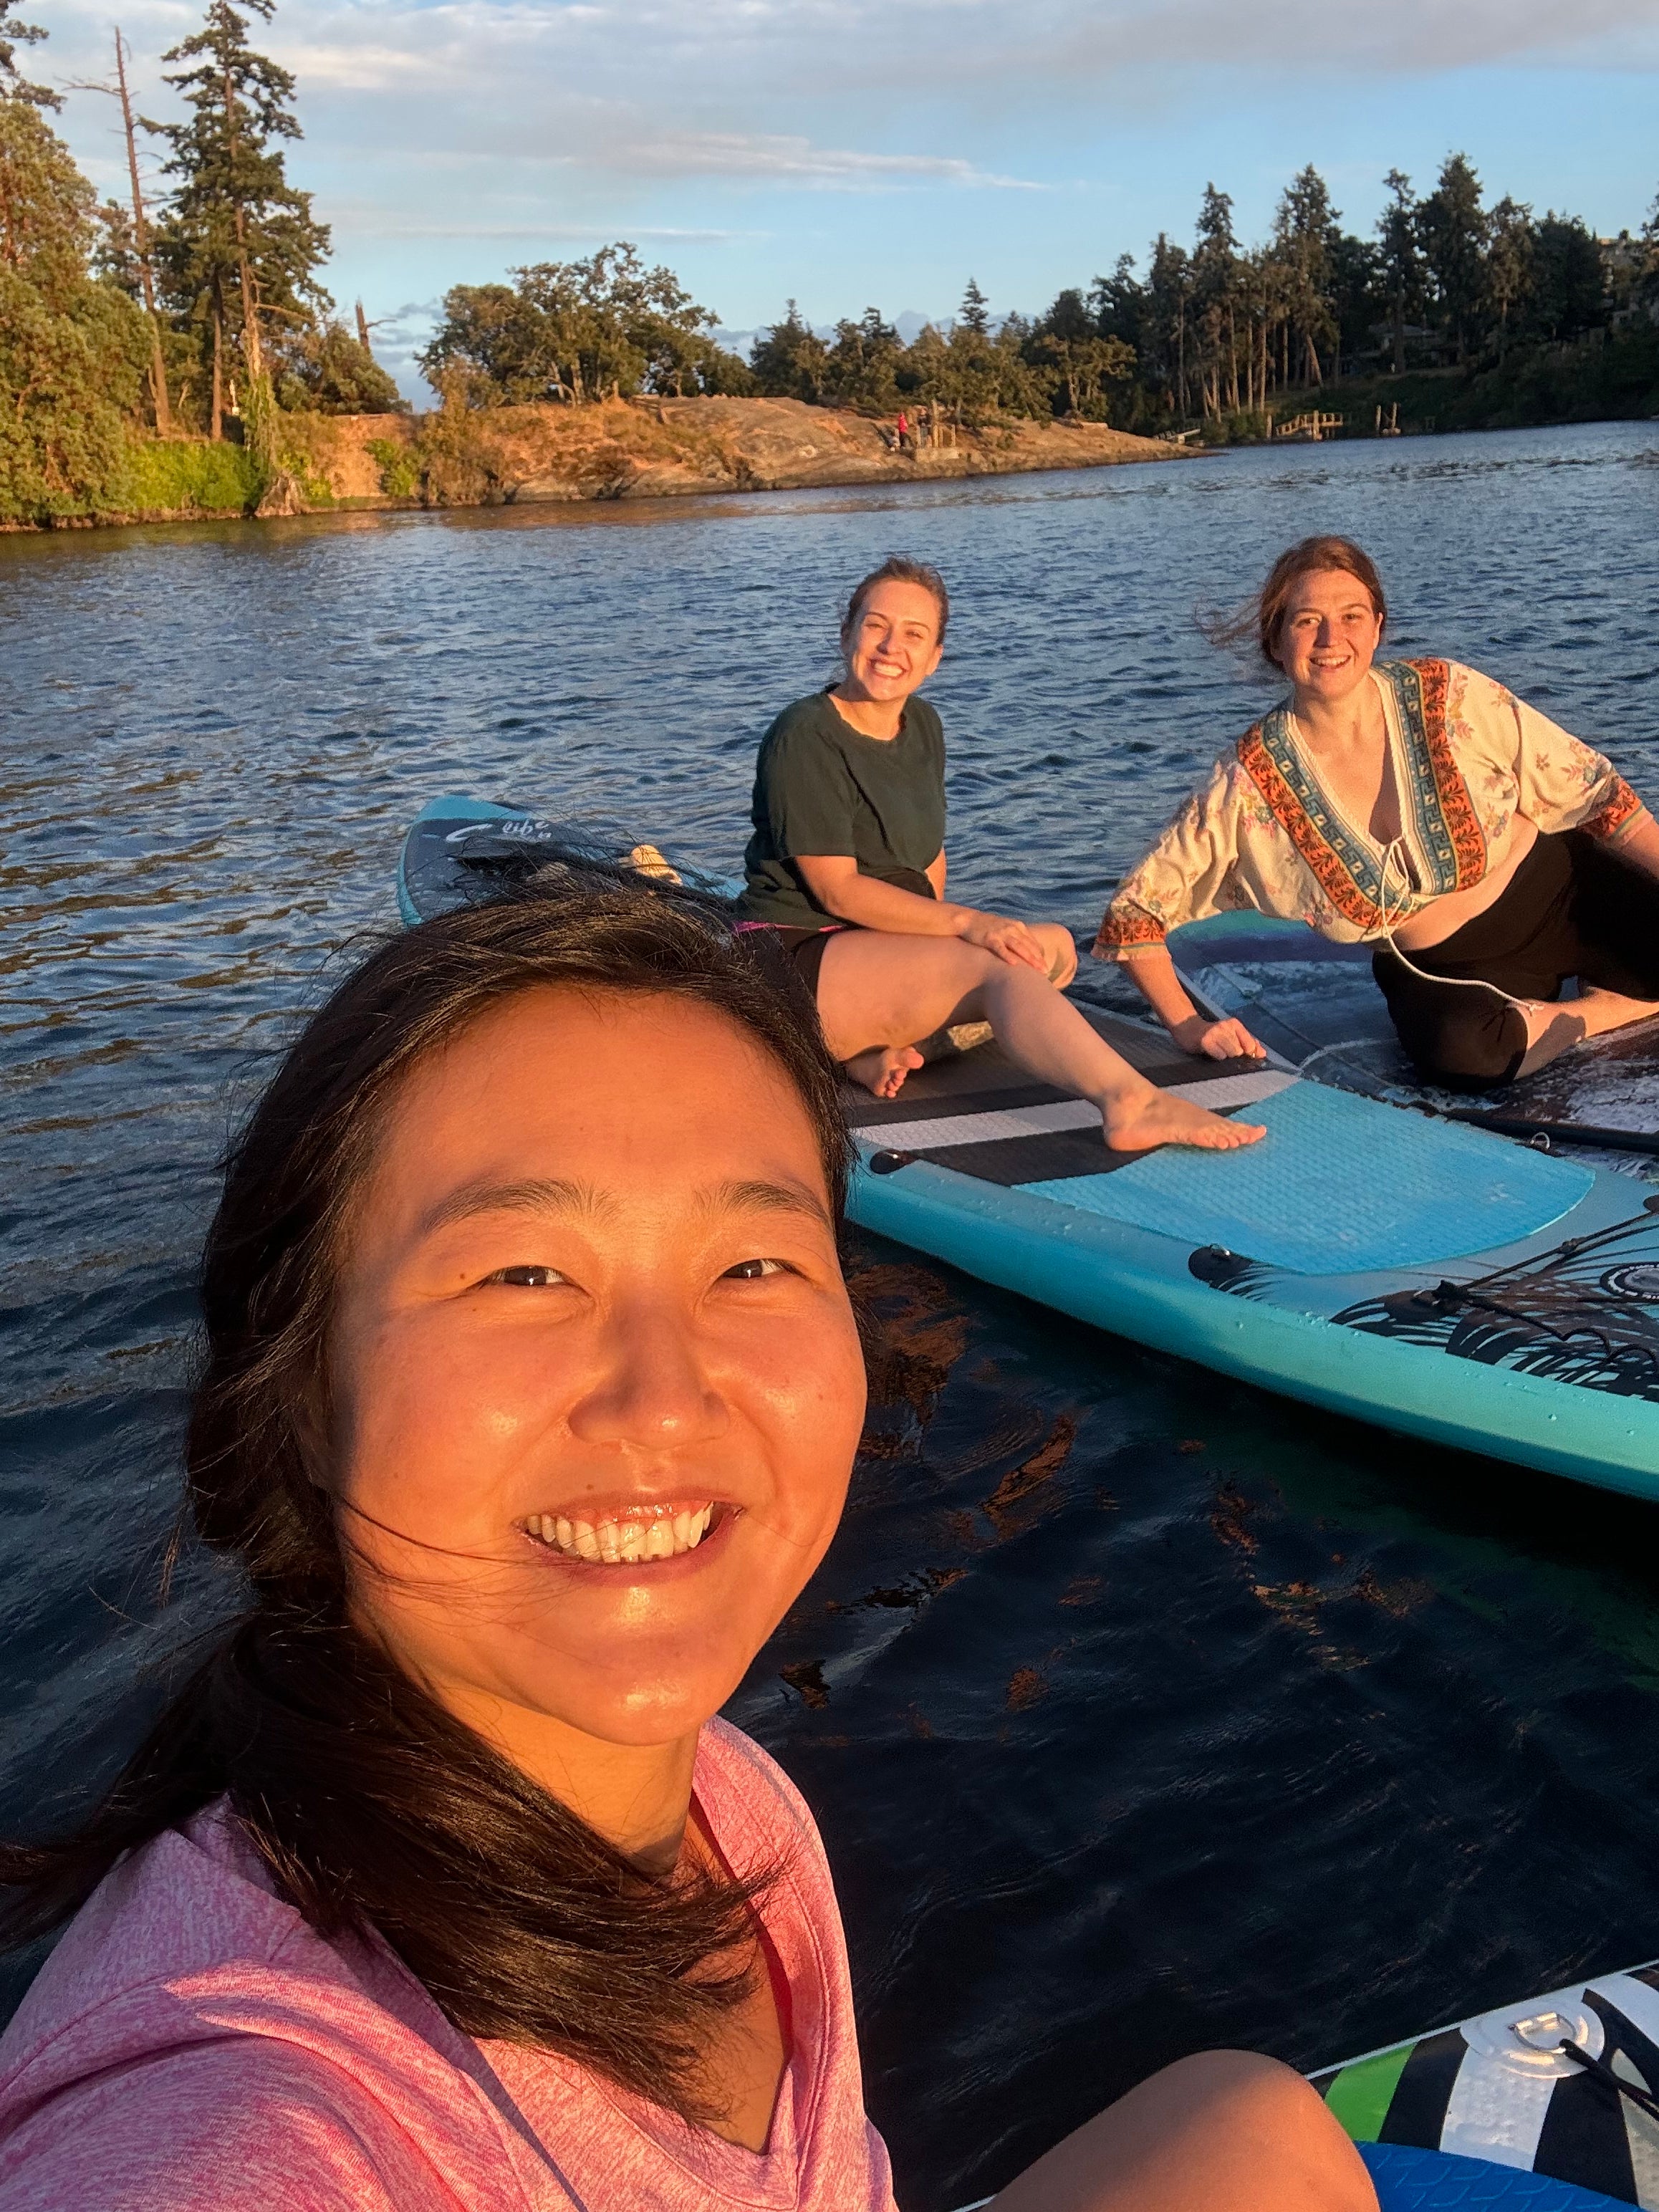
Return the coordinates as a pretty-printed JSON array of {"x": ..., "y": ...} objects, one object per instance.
[
  {"x": 1417, "y": 806},
  {"x": 846, "y": 872},
  {"x": 529, "y": 1403}
]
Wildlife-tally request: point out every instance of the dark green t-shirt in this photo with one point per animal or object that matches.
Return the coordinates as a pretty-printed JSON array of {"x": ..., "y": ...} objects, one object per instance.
[{"x": 822, "y": 786}]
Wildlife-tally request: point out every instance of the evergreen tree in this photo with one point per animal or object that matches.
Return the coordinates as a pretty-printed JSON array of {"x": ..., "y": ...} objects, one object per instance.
[
  {"x": 1509, "y": 274},
  {"x": 72, "y": 350},
  {"x": 1570, "y": 280},
  {"x": 239, "y": 246},
  {"x": 1304, "y": 232},
  {"x": 975, "y": 313},
  {"x": 1453, "y": 226},
  {"x": 788, "y": 360},
  {"x": 1215, "y": 302},
  {"x": 1119, "y": 302},
  {"x": 1401, "y": 261},
  {"x": 862, "y": 365},
  {"x": 1067, "y": 343},
  {"x": 332, "y": 373},
  {"x": 1168, "y": 292},
  {"x": 974, "y": 377},
  {"x": 1358, "y": 300},
  {"x": 14, "y": 85}
]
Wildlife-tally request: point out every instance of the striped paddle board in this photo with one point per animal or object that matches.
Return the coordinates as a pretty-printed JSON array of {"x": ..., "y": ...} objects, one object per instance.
[{"x": 1502, "y": 2089}]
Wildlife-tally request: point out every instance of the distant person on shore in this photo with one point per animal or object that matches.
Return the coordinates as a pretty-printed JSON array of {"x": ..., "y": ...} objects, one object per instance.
[
  {"x": 904, "y": 430},
  {"x": 1419, "y": 806},
  {"x": 846, "y": 868},
  {"x": 530, "y": 1401}
]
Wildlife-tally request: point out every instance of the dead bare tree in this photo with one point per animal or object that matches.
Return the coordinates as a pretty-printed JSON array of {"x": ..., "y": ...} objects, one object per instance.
[{"x": 140, "y": 235}]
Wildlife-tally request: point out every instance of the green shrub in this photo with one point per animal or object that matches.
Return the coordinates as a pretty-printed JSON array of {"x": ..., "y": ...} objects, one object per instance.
[
  {"x": 174, "y": 477},
  {"x": 399, "y": 467}
]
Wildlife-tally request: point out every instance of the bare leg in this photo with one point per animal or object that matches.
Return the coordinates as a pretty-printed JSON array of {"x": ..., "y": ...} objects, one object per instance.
[
  {"x": 1223, "y": 2132},
  {"x": 1554, "y": 1029},
  {"x": 876, "y": 988}
]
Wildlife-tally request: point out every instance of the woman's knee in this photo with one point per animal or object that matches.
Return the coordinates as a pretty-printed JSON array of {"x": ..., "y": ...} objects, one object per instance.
[
  {"x": 1058, "y": 942},
  {"x": 1244, "y": 2084},
  {"x": 1255, "y": 2100},
  {"x": 877, "y": 987},
  {"x": 1477, "y": 1046}
]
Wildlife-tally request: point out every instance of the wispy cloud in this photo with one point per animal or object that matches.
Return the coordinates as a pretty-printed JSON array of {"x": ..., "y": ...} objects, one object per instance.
[
  {"x": 497, "y": 130},
  {"x": 772, "y": 159}
]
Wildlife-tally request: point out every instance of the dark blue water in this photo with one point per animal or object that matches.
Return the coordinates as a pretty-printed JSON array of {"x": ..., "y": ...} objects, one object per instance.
[{"x": 1141, "y": 1712}]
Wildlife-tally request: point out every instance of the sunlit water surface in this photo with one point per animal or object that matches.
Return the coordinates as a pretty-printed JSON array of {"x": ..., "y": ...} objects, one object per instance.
[{"x": 1141, "y": 1712}]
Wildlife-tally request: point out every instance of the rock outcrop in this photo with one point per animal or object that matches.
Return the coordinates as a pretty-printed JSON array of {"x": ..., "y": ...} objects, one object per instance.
[{"x": 659, "y": 448}]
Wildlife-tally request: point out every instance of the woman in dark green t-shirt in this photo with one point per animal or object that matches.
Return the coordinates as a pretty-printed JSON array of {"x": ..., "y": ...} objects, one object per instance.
[{"x": 846, "y": 867}]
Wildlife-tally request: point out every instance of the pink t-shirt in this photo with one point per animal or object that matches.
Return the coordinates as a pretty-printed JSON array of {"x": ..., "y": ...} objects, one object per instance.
[{"x": 192, "y": 2043}]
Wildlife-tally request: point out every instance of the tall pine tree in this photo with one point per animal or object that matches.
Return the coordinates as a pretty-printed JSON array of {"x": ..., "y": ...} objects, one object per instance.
[
  {"x": 1402, "y": 262},
  {"x": 14, "y": 85},
  {"x": 1454, "y": 229},
  {"x": 240, "y": 245}
]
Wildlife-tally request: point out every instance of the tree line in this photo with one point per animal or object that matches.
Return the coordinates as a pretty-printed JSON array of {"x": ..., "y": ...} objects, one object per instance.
[
  {"x": 1218, "y": 328},
  {"x": 194, "y": 310},
  {"x": 197, "y": 310},
  {"x": 1210, "y": 331}
]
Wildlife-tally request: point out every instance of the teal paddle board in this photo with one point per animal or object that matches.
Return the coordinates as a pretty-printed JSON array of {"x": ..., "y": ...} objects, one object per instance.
[{"x": 1440, "y": 1280}]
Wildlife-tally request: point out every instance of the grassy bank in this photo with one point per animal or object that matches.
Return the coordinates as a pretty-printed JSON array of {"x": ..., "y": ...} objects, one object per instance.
[{"x": 182, "y": 478}]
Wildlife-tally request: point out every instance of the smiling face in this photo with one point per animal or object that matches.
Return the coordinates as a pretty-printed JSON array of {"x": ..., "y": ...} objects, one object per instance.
[
  {"x": 1329, "y": 636},
  {"x": 596, "y": 1383},
  {"x": 892, "y": 645}
]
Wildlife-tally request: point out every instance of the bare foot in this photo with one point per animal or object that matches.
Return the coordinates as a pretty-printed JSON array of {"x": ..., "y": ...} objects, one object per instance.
[
  {"x": 1555, "y": 1028},
  {"x": 883, "y": 1068},
  {"x": 1157, "y": 1117}
]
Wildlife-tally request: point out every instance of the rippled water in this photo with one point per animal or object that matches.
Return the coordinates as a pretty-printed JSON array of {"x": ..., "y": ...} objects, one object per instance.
[{"x": 1141, "y": 1712}]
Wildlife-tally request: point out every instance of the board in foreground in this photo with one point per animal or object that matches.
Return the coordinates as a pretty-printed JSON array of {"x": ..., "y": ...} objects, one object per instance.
[{"x": 1561, "y": 2089}]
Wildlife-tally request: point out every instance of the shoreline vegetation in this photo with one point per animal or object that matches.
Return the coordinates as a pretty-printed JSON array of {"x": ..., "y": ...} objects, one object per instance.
[
  {"x": 175, "y": 354},
  {"x": 614, "y": 449}
]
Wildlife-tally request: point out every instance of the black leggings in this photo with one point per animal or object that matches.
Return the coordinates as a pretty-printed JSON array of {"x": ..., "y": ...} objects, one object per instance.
[{"x": 1573, "y": 908}]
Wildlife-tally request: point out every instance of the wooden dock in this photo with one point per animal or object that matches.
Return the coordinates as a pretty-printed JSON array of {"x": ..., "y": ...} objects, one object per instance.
[{"x": 1312, "y": 427}]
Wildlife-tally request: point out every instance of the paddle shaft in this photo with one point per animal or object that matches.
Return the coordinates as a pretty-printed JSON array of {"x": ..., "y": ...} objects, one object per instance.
[{"x": 1573, "y": 1132}]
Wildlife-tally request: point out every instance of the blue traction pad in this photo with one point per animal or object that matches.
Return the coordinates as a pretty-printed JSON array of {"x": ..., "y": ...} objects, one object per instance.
[
  {"x": 1339, "y": 1186},
  {"x": 1407, "y": 2180}
]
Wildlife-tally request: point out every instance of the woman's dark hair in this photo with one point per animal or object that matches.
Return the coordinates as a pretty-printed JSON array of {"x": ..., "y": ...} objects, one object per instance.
[
  {"x": 1262, "y": 618},
  {"x": 900, "y": 568},
  {"x": 370, "y": 1804}
]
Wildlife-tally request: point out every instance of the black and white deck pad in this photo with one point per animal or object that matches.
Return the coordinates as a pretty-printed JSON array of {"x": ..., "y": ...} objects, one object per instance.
[{"x": 982, "y": 1116}]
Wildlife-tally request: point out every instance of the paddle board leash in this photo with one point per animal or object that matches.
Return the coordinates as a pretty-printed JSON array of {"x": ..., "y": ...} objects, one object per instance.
[
  {"x": 1600, "y": 2070},
  {"x": 1530, "y": 1130}
]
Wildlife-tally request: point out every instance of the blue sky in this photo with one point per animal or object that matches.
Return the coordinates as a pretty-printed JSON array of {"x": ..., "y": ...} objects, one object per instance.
[{"x": 851, "y": 153}]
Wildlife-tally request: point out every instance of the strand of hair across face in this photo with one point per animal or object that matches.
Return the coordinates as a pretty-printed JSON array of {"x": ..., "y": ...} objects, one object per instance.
[{"x": 420, "y": 1543}]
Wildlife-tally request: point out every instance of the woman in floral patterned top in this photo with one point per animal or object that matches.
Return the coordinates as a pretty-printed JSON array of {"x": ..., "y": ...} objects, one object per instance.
[{"x": 1418, "y": 806}]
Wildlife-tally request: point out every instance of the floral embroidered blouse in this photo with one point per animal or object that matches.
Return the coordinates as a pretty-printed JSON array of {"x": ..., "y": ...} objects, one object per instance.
[{"x": 1467, "y": 757}]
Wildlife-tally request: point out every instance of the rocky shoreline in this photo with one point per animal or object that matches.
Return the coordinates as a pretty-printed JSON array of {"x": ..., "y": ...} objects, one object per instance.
[
  {"x": 666, "y": 448},
  {"x": 619, "y": 449}
]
